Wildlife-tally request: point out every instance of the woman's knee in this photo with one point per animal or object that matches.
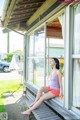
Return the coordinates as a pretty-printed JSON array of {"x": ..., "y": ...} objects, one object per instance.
[{"x": 41, "y": 89}]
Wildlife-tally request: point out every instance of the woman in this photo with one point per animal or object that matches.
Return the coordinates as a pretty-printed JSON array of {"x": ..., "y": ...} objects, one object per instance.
[{"x": 53, "y": 90}]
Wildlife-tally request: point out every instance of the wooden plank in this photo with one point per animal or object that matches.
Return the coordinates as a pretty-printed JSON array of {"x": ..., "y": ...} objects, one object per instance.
[
  {"x": 44, "y": 113},
  {"x": 39, "y": 115},
  {"x": 64, "y": 113},
  {"x": 40, "y": 11},
  {"x": 13, "y": 2}
]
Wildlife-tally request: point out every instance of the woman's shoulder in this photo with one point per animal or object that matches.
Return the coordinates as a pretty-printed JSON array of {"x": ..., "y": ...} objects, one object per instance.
[{"x": 59, "y": 72}]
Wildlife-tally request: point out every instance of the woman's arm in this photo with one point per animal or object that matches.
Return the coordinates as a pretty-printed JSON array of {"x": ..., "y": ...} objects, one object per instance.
[{"x": 60, "y": 83}]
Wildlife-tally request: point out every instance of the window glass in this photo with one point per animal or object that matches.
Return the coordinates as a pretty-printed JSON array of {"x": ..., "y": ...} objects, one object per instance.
[
  {"x": 39, "y": 46},
  {"x": 76, "y": 83},
  {"x": 55, "y": 45},
  {"x": 76, "y": 60},
  {"x": 76, "y": 40},
  {"x": 30, "y": 70},
  {"x": 39, "y": 72},
  {"x": 31, "y": 45},
  {"x": 36, "y": 57}
]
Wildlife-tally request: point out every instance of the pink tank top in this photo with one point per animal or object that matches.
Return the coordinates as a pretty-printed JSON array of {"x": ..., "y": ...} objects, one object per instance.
[{"x": 54, "y": 82}]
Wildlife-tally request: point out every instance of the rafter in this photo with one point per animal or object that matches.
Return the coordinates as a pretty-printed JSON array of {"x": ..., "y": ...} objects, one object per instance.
[
  {"x": 28, "y": 3},
  {"x": 54, "y": 29},
  {"x": 26, "y": 8},
  {"x": 31, "y": 1},
  {"x": 15, "y": 22},
  {"x": 24, "y": 11},
  {"x": 20, "y": 18},
  {"x": 21, "y": 15}
]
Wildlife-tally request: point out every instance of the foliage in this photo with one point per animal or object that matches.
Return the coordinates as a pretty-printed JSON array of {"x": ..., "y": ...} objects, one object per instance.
[
  {"x": 62, "y": 65},
  {"x": 9, "y": 56},
  {"x": 7, "y": 86}
]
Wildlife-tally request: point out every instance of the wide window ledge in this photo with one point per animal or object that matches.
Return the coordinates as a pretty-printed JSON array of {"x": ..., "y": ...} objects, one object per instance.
[{"x": 55, "y": 104}]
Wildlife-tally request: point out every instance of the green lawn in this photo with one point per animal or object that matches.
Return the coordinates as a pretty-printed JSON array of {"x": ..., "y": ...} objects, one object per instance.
[{"x": 7, "y": 86}]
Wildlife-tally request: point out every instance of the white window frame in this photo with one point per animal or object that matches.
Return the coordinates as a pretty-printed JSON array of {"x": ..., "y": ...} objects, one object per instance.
[
  {"x": 68, "y": 37},
  {"x": 74, "y": 57}
]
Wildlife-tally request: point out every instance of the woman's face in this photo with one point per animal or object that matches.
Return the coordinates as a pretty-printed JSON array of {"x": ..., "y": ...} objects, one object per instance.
[{"x": 52, "y": 62}]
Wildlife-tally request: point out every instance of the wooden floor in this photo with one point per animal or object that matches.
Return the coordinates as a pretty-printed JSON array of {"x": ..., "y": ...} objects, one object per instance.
[
  {"x": 49, "y": 110},
  {"x": 43, "y": 112}
]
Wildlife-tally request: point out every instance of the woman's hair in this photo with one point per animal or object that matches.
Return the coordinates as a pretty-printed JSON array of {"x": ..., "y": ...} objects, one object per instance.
[{"x": 57, "y": 63}]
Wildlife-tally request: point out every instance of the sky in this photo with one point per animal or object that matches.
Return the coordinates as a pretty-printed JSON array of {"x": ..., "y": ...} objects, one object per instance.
[
  {"x": 16, "y": 40},
  {"x": 1, "y": 6}
]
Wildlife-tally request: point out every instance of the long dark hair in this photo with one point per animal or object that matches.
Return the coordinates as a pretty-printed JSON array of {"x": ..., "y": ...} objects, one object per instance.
[{"x": 57, "y": 63}]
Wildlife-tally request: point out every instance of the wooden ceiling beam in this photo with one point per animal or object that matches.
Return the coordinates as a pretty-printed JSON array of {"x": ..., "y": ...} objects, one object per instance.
[
  {"x": 26, "y": 8},
  {"x": 21, "y": 15},
  {"x": 31, "y": 1},
  {"x": 25, "y": 18},
  {"x": 28, "y": 3},
  {"x": 23, "y": 11},
  {"x": 54, "y": 29},
  {"x": 15, "y": 22},
  {"x": 12, "y": 4},
  {"x": 47, "y": 4}
]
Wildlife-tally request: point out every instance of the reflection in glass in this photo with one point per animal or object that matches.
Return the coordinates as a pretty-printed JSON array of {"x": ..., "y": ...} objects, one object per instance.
[
  {"x": 76, "y": 42},
  {"x": 39, "y": 72},
  {"x": 36, "y": 44},
  {"x": 31, "y": 45},
  {"x": 76, "y": 83},
  {"x": 76, "y": 61},
  {"x": 55, "y": 47},
  {"x": 39, "y": 42},
  {"x": 30, "y": 70}
]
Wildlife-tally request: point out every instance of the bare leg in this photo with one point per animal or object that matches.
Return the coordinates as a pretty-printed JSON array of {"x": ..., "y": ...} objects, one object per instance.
[
  {"x": 39, "y": 94},
  {"x": 46, "y": 96}
]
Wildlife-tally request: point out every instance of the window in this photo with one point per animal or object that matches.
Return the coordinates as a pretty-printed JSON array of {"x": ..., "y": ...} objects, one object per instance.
[
  {"x": 36, "y": 57},
  {"x": 54, "y": 44},
  {"x": 76, "y": 58}
]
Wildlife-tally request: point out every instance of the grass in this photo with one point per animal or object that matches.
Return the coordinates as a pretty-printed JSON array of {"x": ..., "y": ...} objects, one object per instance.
[{"x": 7, "y": 86}]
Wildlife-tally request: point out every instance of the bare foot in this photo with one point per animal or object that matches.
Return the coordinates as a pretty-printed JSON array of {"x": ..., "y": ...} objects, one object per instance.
[{"x": 27, "y": 112}]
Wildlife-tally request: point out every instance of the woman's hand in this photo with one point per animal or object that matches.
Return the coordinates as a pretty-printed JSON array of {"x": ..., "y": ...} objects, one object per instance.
[{"x": 61, "y": 95}]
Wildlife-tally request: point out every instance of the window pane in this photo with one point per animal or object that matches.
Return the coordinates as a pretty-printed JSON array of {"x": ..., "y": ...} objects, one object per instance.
[
  {"x": 76, "y": 83},
  {"x": 76, "y": 42},
  {"x": 48, "y": 71},
  {"x": 76, "y": 61},
  {"x": 55, "y": 47},
  {"x": 31, "y": 47},
  {"x": 39, "y": 42},
  {"x": 30, "y": 70},
  {"x": 36, "y": 44},
  {"x": 39, "y": 72}
]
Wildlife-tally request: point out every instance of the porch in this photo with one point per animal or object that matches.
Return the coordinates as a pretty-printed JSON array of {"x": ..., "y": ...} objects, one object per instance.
[{"x": 42, "y": 22}]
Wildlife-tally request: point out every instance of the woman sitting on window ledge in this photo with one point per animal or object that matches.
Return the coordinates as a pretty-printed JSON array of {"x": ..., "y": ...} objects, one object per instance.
[{"x": 53, "y": 90}]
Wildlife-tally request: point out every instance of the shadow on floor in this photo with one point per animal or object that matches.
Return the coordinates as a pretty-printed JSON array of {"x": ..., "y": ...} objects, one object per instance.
[{"x": 15, "y": 105}]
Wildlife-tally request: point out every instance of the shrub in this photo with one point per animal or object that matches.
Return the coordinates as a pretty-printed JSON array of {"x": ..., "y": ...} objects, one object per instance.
[{"x": 8, "y": 58}]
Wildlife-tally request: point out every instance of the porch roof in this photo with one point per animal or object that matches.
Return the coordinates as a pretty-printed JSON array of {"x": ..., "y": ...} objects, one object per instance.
[
  {"x": 20, "y": 14},
  {"x": 17, "y": 12}
]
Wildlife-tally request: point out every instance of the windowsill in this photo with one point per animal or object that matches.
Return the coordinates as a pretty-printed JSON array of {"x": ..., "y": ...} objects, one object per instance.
[
  {"x": 57, "y": 100},
  {"x": 55, "y": 103}
]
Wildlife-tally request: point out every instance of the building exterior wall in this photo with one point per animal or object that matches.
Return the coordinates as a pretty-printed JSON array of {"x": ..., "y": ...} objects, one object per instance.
[{"x": 37, "y": 55}]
